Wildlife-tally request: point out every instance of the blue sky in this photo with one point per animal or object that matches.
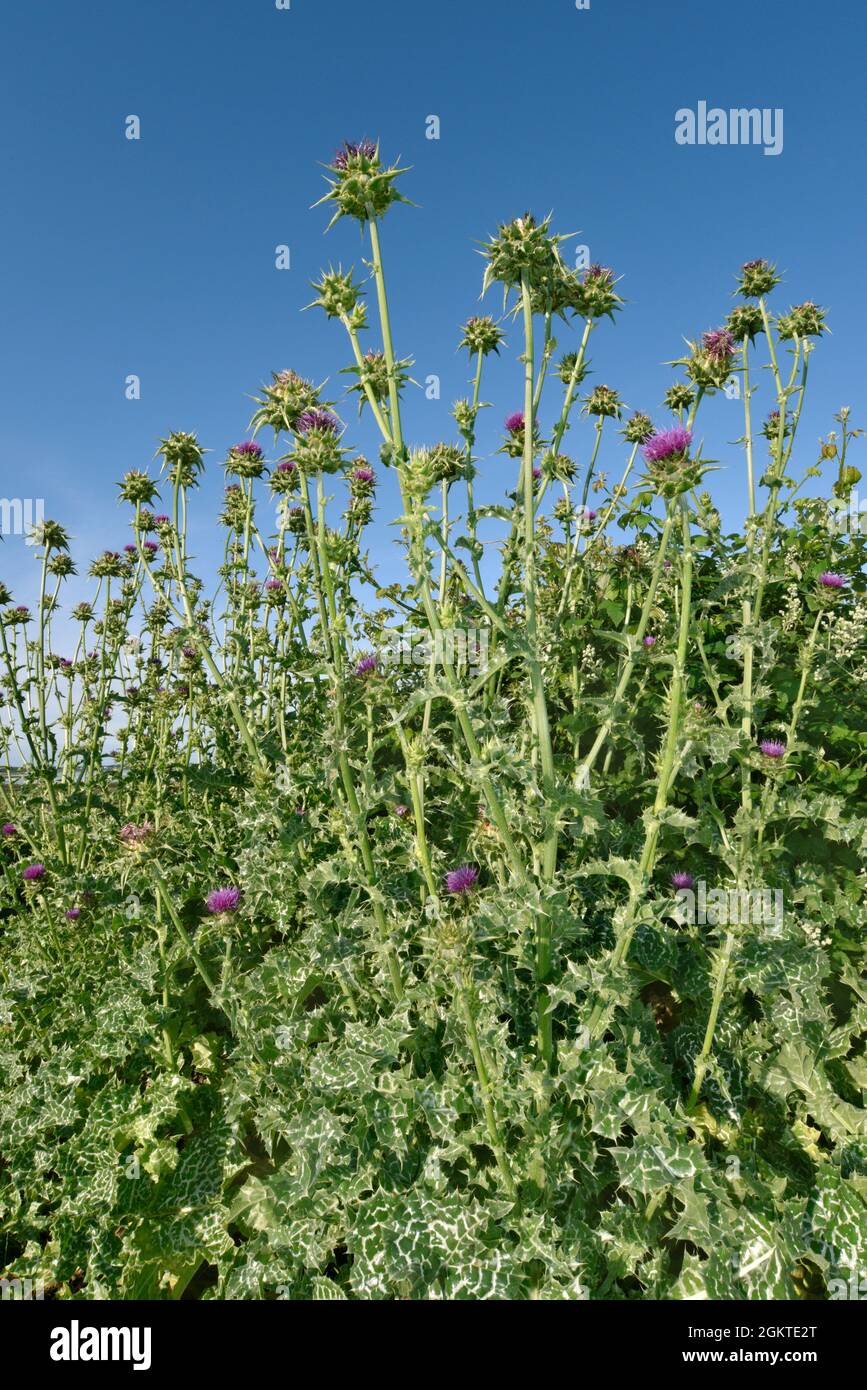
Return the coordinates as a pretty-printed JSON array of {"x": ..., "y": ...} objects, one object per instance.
[{"x": 156, "y": 257}]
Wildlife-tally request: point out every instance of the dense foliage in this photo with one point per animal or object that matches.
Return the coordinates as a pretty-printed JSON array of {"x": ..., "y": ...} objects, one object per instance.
[{"x": 347, "y": 942}]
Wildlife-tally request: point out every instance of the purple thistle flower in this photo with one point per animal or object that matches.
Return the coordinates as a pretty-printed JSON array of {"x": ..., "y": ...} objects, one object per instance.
[
  {"x": 73, "y": 914},
  {"x": 366, "y": 666},
  {"x": 590, "y": 515},
  {"x": 515, "y": 423},
  {"x": 223, "y": 899},
  {"x": 681, "y": 879},
  {"x": 273, "y": 585},
  {"x": 317, "y": 419},
  {"x": 249, "y": 448},
  {"x": 719, "y": 344},
  {"x": 287, "y": 466},
  {"x": 363, "y": 475},
  {"x": 161, "y": 520},
  {"x": 65, "y": 663},
  {"x": 649, "y": 640},
  {"x": 773, "y": 748},
  {"x": 667, "y": 444},
  {"x": 9, "y": 829},
  {"x": 461, "y": 880},
  {"x": 537, "y": 474},
  {"x": 354, "y": 148},
  {"x": 131, "y": 549},
  {"x": 829, "y": 580},
  {"x": 33, "y": 873},
  {"x": 151, "y": 547},
  {"x": 401, "y": 810}
]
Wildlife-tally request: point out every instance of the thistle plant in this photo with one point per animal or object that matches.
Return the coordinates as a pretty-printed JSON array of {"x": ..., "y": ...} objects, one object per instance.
[{"x": 361, "y": 912}]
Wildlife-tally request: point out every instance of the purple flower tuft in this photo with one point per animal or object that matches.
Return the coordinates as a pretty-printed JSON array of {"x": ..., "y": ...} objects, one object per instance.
[
  {"x": 9, "y": 829},
  {"x": 719, "y": 344},
  {"x": 461, "y": 880},
  {"x": 366, "y": 666},
  {"x": 249, "y": 448},
  {"x": 515, "y": 423},
  {"x": 773, "y": 748},
  {"x": 401, "y": 810},
  {"x": 33, "y": 872},
  {"x": 363, "y": 475},
  {"x": 287, "y": 466},
  {"x": 830, "y": 580},
  {"x": 317, "y": 419},
  {"x": 352, "y": 149},
  {"x": 73, "y": 914},
  {"x": 681, "y": 879},
  {"x": 668, "y": 444},
  {"x": 223, "y": 899},
  {"x": 649, "y": 640}
]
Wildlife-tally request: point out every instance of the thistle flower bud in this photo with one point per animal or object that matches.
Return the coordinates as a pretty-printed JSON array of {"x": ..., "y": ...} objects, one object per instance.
[
  {"x": 286, "y": 398},
  {"x": 757, "y": 278},
  {"x": 361, "y": 186},
  {"x": 137, "y": 488},
  {"x": 745, "y": 321},
  {"x": 603, "y": 401},
  {"x": 522, "y": 247},
  {"x": 597, "y": 296},
  {"x": 108, "y": 565},
  {"x": 296, "y": 523},
  {"x": 679, "y": 397},
  {"x": 183, "y": 458},
  {"x": 336, "y": 293},
  {"x": 49, "y": 535},
  {"x": 245, "y": 460},
  {"x": 514, "y": 426},
  {"x": 482, "y": 335},
  {"x": 61, "y": 565},
  {"x": 566, "y": 369},
  {"x": 710, "y": 364},
  {"x": 802, "y": 321},
  {"x": 447, "y": 463},
  {"x": 638, "y": 428},
  {"x": 285, "y": 477},
  {"x": 317, "y": 447}
]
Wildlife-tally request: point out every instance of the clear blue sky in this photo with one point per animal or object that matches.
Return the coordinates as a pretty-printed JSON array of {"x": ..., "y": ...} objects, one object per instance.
[{"x": 156, "y": 257}]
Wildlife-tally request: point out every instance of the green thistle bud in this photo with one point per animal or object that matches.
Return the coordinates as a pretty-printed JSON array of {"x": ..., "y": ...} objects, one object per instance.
[
  {"x": 49, "y": 535},
  {"x": 522, "y": 247},
  {"x": 183, "y": 458},
  {"x": 447, "y": 463},
  {"x": 559, "y": 466},
  {"x": 234, "y": 513},
  {"x": 679, "y": 397},
  {"x": 284, "y": 401},
  {"x": 361, "y": 187},
  {"x": 757, "y": 278},
  {"x": 337, "y": 293},
  {"x": 108, "y": 565},
  {"x": 745, "y": 321},
  {"x": 464, "y": 416},
  {"x": 566, "y": 368},
  {"x": 482, "y": 334},
  {"x": 638, "y": 428},
  {"x": 603, "y": 401},
  {"x": 137, "y": 488},
  {"x": 802, "y": 321},
  {"x": 61, "y": 565}
]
